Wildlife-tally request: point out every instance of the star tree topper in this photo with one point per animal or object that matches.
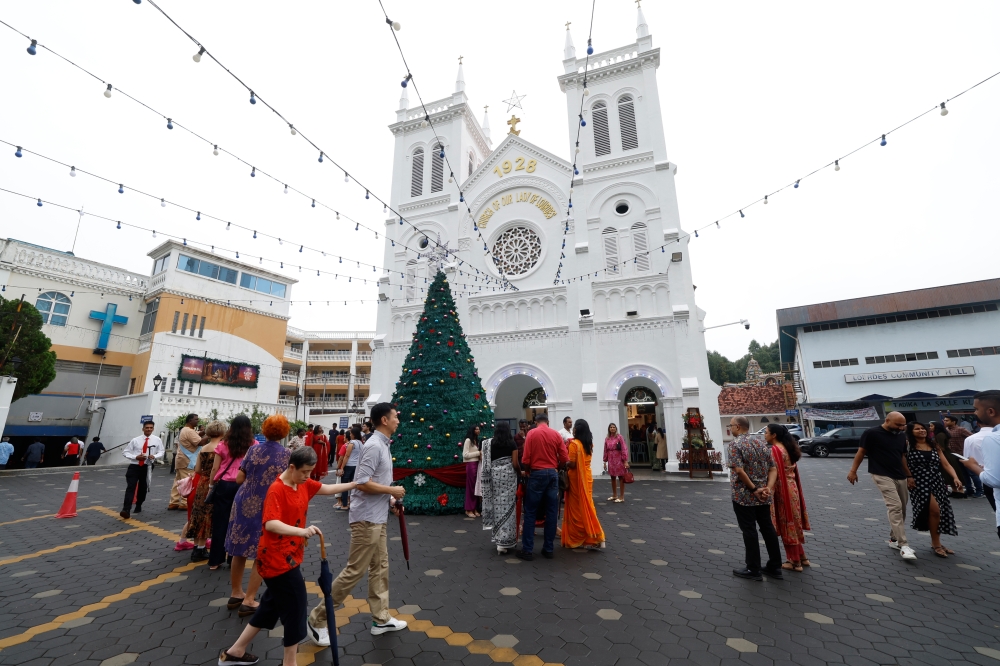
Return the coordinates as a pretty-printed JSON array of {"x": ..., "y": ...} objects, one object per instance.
[{"x": 515, "y": 101}]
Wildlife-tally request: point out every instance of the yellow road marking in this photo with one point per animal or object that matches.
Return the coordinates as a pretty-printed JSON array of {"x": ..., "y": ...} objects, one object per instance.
[
  {"x": 307, "y": 651},
  {"x": 136, "y": 523},
  {"x": 26, "y": 636},
  {"x": 56, "y": 549},
  {"x": 24, "y": 520}
]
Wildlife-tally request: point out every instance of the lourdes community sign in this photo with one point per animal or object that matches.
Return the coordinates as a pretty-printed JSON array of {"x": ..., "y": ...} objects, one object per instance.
[
  {"x": 214, "y": 371},
  {"x": 510, "y": 198},
  {"x": 925, "y": 373}
]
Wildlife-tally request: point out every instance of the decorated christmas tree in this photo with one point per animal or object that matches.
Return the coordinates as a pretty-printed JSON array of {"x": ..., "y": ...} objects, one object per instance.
[{"x": 439, "y": 396}]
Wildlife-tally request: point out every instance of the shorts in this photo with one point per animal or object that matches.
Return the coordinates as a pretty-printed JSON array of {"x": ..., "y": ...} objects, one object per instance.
[{"x": 285, "y": 600}]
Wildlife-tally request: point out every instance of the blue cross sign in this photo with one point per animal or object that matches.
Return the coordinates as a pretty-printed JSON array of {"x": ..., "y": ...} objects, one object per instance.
[{"x": 109, "y": 318}]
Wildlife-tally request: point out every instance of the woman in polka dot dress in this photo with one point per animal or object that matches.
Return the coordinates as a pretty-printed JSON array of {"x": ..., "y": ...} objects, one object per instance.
[{"x": 929, "y": 499}]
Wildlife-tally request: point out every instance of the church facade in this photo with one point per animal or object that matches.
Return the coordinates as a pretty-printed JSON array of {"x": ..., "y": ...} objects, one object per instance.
[{"x": 599, "y": 320}]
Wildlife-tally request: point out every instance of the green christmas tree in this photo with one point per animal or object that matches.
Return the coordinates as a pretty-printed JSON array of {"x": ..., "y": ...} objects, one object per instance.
[{"x": 439, "y": 396}]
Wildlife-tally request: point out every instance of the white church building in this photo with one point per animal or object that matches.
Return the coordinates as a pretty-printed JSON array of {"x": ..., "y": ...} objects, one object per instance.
[{"x": 617, "y": 337}]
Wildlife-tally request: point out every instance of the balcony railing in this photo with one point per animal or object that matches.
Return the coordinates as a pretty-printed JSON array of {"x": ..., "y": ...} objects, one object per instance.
[
  {"x": 328, "y": 380},
  {"x": 293, "y": 353},
  {"x": 330, "y": 355},
  {"x": 286, "y": 401},
  {"x": 288, "y": 377},
  {"x": 327, "y": 404},
  {"x": 364, "y": 356},
  {"x": 362, "y": 380}
]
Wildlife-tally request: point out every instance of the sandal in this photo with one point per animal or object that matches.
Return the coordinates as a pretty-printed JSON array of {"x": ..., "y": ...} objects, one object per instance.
[
  {"x": 940, "y": 551},
  {"x": 949, "y": 551},
  {"x": 619, "y": 501},
  {"x": 611, "y": 499},
  {"x": 805, "y": 563},
  {"x": 787, "y": 565}
]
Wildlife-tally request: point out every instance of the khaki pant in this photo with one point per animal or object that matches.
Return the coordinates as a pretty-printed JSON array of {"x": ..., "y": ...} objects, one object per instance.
[
  {"x": 175, "y": 497},
  {"x": 896, "y": 495},
  {"x": 368, "y": 551}
]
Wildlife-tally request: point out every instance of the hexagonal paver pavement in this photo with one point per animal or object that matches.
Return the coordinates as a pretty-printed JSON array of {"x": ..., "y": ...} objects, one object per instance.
[
  {"x": 880, "y": 597},
  {"x": 592, "y": 576},
  {"x": 504, "y": 640},
  {"x": 690, "y": 594},
  {"x": 433, "y": 572},
  {"x": 659, "y": 563},
  {"x": 510, "y": 591},
  {"x": 121, "y": 659},
  {"x": 609, "y": 614},
  {"x": 819, "y": 618}
]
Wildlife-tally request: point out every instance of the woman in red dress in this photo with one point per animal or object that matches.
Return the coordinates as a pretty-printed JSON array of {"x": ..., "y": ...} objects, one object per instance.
[
  {"x": 321, "y": 445},
  {"x": 788, "y": 510}
]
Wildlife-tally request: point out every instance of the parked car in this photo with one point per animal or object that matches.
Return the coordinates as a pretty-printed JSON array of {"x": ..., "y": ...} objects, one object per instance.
[{"x": 840, "y": 440}]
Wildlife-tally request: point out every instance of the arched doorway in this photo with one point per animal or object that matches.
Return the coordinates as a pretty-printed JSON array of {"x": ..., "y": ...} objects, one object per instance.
[
  {"x": 640, "y": 411},
  {"x": 518, "y": 397}
]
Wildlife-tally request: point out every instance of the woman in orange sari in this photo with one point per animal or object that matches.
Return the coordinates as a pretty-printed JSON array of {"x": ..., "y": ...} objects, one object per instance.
[
  {"x": 788, "y": 510},
  {"x": 581, "y": 528}
]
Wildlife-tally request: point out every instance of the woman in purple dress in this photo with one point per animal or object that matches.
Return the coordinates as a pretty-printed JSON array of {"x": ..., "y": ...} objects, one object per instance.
[{"x": 261, "y": 466}]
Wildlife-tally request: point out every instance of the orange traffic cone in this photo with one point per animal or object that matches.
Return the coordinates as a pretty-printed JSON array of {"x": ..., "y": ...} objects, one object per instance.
[{"x": 68, "y": 508}]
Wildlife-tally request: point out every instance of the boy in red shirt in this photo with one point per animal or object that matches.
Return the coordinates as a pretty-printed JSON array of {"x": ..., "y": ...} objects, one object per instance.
[{"x": 282, "y": 546}]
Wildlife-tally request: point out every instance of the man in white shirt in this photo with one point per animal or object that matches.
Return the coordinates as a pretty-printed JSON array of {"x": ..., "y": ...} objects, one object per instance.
[
  {"x": 987, "y": 405},
  {"x": 143, "y": 451},
  {"x": 567, "y": 430},
  {"x": 973, "y": 450}
]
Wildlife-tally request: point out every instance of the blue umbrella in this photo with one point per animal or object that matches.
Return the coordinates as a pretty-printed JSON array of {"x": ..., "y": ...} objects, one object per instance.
[{"x": 326, "y": 585}]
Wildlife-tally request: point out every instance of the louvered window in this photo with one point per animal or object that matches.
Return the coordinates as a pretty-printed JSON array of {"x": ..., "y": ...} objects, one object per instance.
[
  {"x": 472, "y": 162},
  {"x": 626, "y": 118},
  {"x": 417, "y": 175},
  {"x": 602, "y": 138},
  {"x": 640, "y": 244},
  {"x": 411, "y": 278},
  {"x": 611, "y": 249},
  {"x": 437, "y": 170}
]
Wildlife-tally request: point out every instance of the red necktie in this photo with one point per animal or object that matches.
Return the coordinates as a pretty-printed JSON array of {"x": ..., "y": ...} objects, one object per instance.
[{"x": 145, "y": 446}]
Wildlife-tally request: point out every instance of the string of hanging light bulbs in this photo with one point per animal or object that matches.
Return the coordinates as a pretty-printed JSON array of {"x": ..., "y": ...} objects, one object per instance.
[
  {"x": 576, "y": 150},
  {"x": 21, "y": 151},
  {"x": 369, "y": 193},
  {"x": 881, "y": 140},
  {"x": 428, "y": 121},
  {"x": 254, "y": 171},
  {"x": 216, "y": 248}
]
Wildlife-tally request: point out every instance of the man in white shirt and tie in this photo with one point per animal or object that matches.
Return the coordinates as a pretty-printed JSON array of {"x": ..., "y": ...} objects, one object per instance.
[
  {"x": 567, "y": 430},
  {"x": 143, "y": 451}
]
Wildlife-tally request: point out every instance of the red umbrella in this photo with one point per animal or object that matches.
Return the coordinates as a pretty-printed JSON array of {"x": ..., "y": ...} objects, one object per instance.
[{"x": 403, "y": 536}]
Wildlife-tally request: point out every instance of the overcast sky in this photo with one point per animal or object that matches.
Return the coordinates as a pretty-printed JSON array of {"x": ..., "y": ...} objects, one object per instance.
[{"x": 754, "y": 96}]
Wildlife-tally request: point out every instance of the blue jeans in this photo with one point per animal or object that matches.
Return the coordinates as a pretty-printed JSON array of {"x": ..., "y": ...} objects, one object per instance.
[
  {"x": 543, "y": 483},
  {"x": 974, "y": 478}
]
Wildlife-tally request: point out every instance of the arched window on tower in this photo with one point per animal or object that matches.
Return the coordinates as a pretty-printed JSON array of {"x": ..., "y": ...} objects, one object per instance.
[
  {"x": 417, "y": 173},
  {"x": 437, "y": 169},
  {"x": 602, "y": 138},
  {"x": 610, "y": 237},
  {"x": 640, "y": 244},
  {"x": 54, "y": 307},
  {"x": 626, "y": 119},
  {"x": 472, "y": 162}
]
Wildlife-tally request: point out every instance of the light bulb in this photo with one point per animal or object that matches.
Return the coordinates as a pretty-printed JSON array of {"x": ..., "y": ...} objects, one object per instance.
[
  {"x": 338, "y": 214},
  {"x": 170, "y": 124},
  {"x": 441, "y": 154},
  {"x": 944, "y": 111},
  {"x": 765, "y": 199},
  {"x": 741, "y": 214},
  {"x": 253, "y": 172},
  {"x": 163, "y": 204},
  {"x": 583, "y": 123},
  {"x": 396, "y": 26},
  {"x": 253, "y": 100},
  {"x": 403, "y": 82},
  {"x": 321, "y": 156},
  {"x": 586, "y": 92},
  {"x": 33, "y": 51},
  {"x": 314, "y": 203},
  {"x": 227, "y": 225},
  {"x": 39, "y": 201},
  {"x": 107, "y": 93},
  {"x": 154, "y": 233},
  {"x": 451, "y": 178},
  {"x": 836, "y": 165},
  {"x": 72, "y": 172},
  {"x": 426, "y": 121},
  {"x": 796, "y": 184},
  {"x": 198, "y": 217},
  {"x": 197, "y": 56},
  {"x": 347, "y": 178},
  {"x": 882, "y": 143},
  {"x": 292, "y": 128},
  {"x": 367, "y": 196},
  {"x": 119, "y": 223},
  {"x": 255, "y": 233},
  {"x": 590, "y": 48},
  {"x": 17, "y": 153},
  {"x": 215, "y": 149},
  {"x": 286, "y": 189},
  {"x": 121, "y": 189}
]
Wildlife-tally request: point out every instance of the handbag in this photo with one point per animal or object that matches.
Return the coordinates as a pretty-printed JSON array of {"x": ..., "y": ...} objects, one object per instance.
[
  {"x": 563, "y": 480},
  {"x": 628, "y": 478},
  {"x": 185, "y": 485}
]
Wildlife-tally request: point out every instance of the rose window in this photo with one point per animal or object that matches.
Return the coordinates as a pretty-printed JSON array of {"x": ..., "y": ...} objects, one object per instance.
[{"x": 517, "y": 250}]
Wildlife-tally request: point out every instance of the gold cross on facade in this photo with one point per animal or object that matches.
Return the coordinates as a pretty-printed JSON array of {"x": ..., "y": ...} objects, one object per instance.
[
  {"x": 514, "y": 120},
  {"x": 567, "y": 24},
  {"x": 460, "y": 60}
]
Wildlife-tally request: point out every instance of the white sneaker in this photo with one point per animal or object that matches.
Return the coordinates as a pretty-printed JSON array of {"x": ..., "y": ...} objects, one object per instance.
[
  {"x": 392, "y": 625},
  {"x": 319, "y": 636},
  {"x": 907, "y": 553},
  {"x": 893, "y": 544}
]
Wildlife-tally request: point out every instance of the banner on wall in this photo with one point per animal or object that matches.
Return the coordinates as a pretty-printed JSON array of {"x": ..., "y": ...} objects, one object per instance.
[
  {"x": 214, "y": 371},
  {"x": 863, "y": 414}
]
